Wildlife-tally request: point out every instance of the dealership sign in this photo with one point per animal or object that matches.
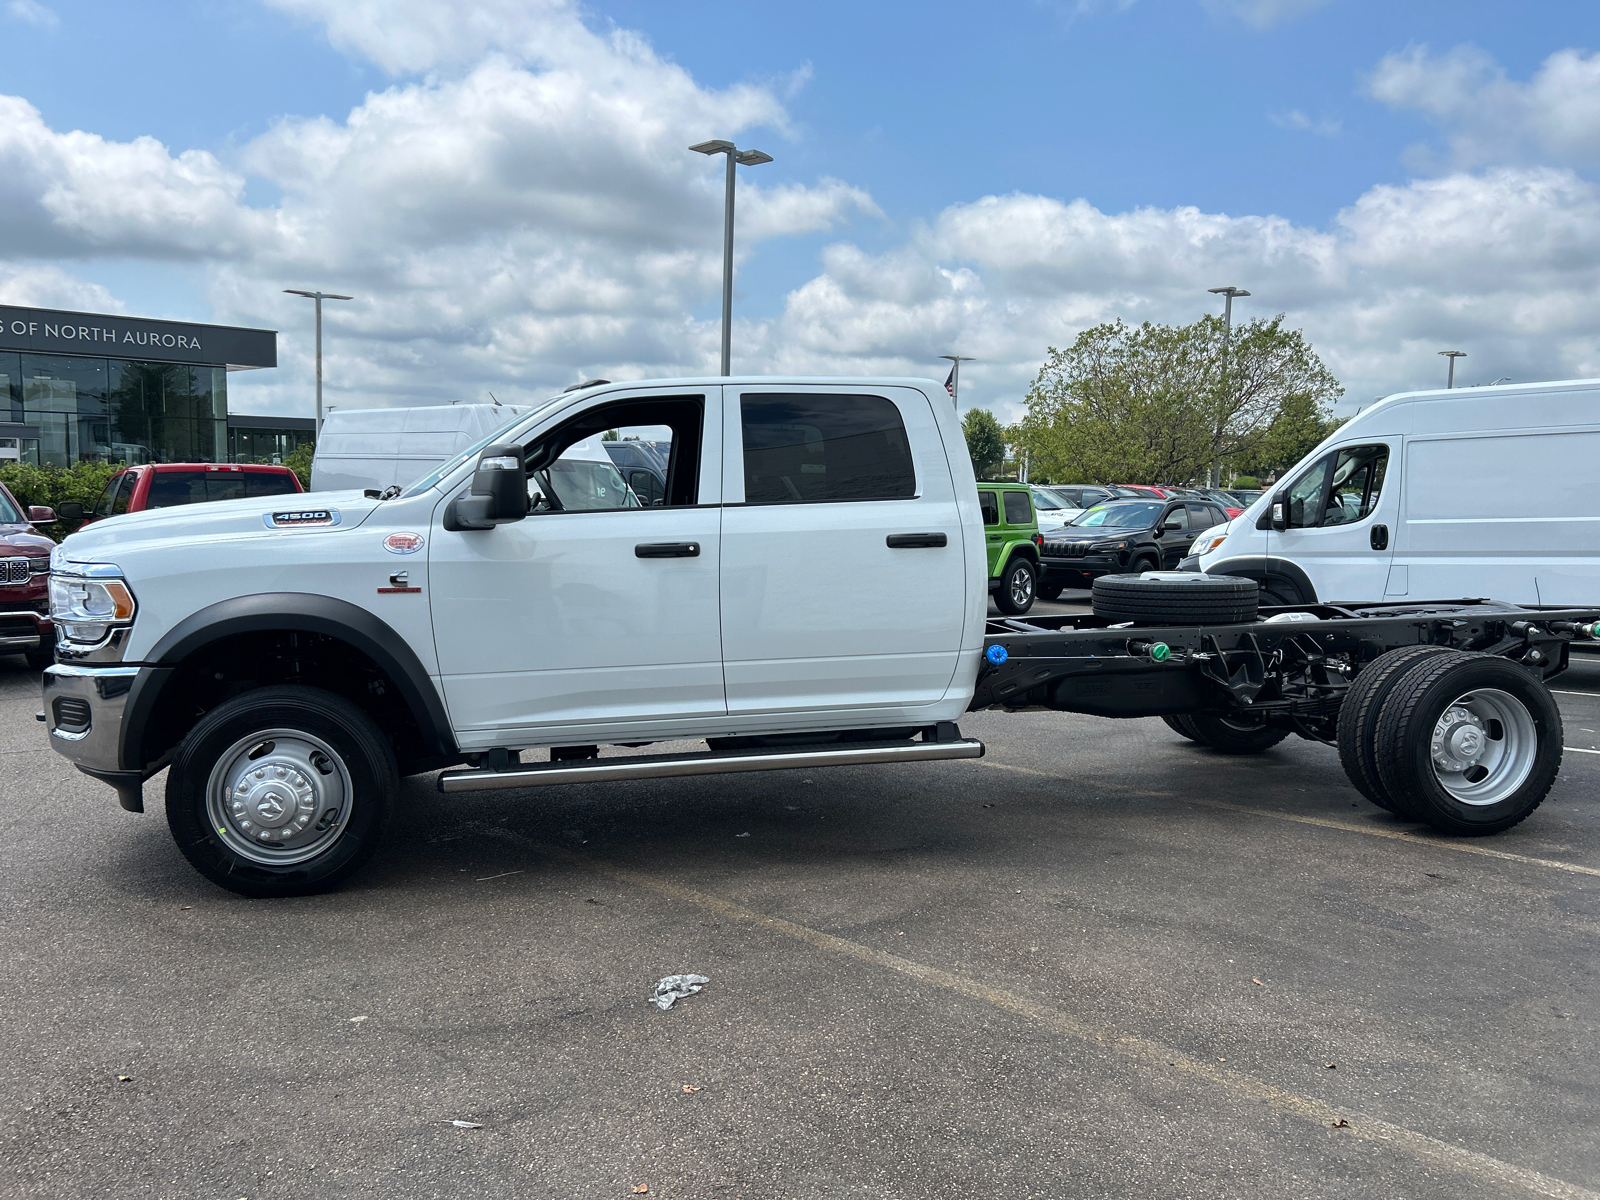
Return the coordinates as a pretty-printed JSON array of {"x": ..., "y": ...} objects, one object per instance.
[{"x": 42, "y": 330}]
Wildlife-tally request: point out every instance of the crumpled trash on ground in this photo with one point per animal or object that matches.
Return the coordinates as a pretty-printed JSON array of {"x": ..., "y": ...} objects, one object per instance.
[{"x": 673, "y": 988}]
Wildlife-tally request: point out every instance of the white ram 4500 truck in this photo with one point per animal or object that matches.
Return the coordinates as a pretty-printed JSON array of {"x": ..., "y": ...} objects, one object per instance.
[
  {"x": 810, "y": 589},
  {"x": 816, "y": 567}
]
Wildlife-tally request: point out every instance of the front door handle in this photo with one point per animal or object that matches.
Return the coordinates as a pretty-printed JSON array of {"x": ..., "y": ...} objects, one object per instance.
[
  {"x": 911, "y": 541},
  {"x": 667, "y": 550},
  {"x": 1380, "y": 537}
]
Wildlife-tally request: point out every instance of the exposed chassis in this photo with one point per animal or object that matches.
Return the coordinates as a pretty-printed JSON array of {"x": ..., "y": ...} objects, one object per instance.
[{"x": 1291, "y": 667}]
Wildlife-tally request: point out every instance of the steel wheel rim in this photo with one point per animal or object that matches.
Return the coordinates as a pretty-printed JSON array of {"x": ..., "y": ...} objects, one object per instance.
[
  {"x": 279, "y": 797},
  {"x": 1021, "y": 585},
  {"x": 1483, "y": 746}
]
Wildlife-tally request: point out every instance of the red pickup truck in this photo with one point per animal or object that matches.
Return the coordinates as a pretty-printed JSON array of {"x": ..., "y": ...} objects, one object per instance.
[
  {"x": 167, "y": 485},
  {"x": 25, "y": 626}
]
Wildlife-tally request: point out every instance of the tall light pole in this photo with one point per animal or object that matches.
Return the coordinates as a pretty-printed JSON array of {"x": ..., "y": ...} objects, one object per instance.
[
  {"x": 319, "y": 297},
  {"x": 955, "y": 376},
  {"x": 1227, "y": 293},
  {"x": 748, "y": 158},
  {"x": 1452, "y": 355}
]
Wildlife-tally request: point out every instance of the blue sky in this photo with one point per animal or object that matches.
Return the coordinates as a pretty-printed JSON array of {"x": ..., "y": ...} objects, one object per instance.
[{"x": 1241, "y": 109}]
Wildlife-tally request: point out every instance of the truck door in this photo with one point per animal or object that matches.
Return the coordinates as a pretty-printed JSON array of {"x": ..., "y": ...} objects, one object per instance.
[
  {"x": 1342, "y": 513},
  {"x": 844, "y": 572},
  {"x": 594, "y": 611}
]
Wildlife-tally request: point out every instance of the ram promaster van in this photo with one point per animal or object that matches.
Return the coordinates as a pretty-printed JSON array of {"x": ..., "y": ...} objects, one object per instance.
[{"x": 1489, "y": 491}]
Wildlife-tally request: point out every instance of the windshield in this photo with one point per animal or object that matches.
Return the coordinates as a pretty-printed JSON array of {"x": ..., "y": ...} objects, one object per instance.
[
  {"x": 8, "y": 511},
  {"x": 1123, "y": 516},
  {"x": 433, "y": 477},
  {"x": 1047, "y": 501}
]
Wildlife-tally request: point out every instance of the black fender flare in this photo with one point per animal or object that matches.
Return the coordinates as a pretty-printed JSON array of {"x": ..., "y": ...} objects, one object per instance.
[
  {"x": 1267, "y": 570},
  {"x": 302, "y": 612}
]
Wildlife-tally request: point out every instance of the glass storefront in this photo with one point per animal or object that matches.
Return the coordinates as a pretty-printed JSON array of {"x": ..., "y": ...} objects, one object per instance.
[
  {"x": 264, "y": 445},
  {"x": 116, "y": 410}
]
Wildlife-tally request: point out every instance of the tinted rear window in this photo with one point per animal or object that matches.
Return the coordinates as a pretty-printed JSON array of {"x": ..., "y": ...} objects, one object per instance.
[
  {"x": 168, "y": 489},
  {"x": 268, "y": 483},
  {"x": 800, "y": 448}
]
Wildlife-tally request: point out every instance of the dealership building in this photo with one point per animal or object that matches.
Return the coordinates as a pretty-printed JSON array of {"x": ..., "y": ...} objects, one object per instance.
[{"x": 92, "y": 387}]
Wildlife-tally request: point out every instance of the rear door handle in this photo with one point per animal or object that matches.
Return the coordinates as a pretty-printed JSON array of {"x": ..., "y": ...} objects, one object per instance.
[
  {"x": 667, "y": 550},
  {"x": 1380, "y": 537},
  {"x": 912, "y": 541}
]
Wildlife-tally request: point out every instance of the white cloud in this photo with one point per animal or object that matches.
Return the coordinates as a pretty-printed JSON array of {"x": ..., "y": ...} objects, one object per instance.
[
  {"x": 33, "y": 13},
  {"x": 1263, "y": 14},
  {"x": 1489, "y": 118},
  {"x": 1296, "y": 120},
  {"x": 41, "y": 285}
]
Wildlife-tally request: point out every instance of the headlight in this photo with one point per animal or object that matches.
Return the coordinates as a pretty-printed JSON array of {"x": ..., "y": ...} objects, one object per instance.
[
  {"x": 85, "y": 607},
  {"x": 1206, "y": 543},
  {"x": 1102, "y": 547}
]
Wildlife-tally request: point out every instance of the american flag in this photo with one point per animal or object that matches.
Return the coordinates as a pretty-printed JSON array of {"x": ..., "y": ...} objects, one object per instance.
[{"x": 950, "y": 383}]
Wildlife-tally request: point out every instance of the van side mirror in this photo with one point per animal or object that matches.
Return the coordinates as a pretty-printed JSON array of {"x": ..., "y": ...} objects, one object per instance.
[
  {"x": 1280, "y": 511},
  {"x": 70, "y": 510},
  {"x": 39, "y": 514},
  {"x": 499, "y": 492}
]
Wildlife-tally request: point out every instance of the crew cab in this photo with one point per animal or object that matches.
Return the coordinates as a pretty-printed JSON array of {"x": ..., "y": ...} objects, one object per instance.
[{"x": 810, "y": 591}]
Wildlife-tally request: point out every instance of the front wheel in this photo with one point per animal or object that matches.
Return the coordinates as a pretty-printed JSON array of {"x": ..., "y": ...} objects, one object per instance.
[
  {"x": 282, "y": 791},
  {"x": 1049, "y": 591},
  {"x": 1238, "y": 734},
  {"x": 1018, "y": 587}
]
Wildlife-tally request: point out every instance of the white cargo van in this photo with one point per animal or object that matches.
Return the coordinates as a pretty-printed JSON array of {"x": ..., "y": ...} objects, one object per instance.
[
  {"x": 386, "y": 447},
  {"x": 1475, "y": 492}
]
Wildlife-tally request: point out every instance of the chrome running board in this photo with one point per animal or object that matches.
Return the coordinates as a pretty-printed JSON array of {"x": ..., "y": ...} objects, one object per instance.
[{"x": 668, "y": 766}]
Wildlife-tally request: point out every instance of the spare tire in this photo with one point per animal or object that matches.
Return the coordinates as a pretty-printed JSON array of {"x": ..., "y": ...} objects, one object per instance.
[{"x": 1175, "y": 598}]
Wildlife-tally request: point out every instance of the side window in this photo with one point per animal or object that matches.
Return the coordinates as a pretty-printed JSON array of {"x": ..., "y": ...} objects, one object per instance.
[
  {"x": 1305, "y": 495},
  {"x": 1018, "y": 510},
  {"x": 1202, "y": 516},
  {"x": 990, "y": 508},
  {"x": 102, "y": 506},
  {"x": 124, "y": 496},
  {"x": 824, "y": 448},
  {"x": 595, "y": 460},
  {"x": 1356, "y": 484}
]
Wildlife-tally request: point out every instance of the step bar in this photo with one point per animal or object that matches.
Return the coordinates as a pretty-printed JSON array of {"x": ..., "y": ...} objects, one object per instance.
[{"x": 671, "y": 766}]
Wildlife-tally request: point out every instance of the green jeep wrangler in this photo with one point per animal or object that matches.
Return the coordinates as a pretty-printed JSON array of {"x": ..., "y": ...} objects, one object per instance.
[{"x": 1012, "y": 533}]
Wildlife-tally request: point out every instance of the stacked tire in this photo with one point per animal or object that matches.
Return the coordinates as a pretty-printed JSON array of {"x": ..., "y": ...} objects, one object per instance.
[{"x": 1175, "y": 598}]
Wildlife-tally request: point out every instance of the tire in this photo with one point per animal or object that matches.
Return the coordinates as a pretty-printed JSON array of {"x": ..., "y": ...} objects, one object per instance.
[
  {"x": 1143, "y": 563},
  {"x": 1019, "y": 584},
  {"x": 328, "y": 767},
  {"x": 1049, "y": 591},
  {"x": 1180, "y": 599},
  {"x": 1492, "y": 721},
  {"x": 1178, "y": 727},
  {"x": 41, "y": 658},
  {"x": 1233, "y": 735},
  {"x": 1358, "y": 717}
]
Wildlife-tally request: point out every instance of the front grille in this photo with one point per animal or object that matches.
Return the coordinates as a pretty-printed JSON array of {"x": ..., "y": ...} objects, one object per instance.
[
  {"x": 16, "y": 570},
  {"x": 18, "y": 627},
  {"x": 1066, "y": 549},
  {"x": 72, "y": 714}
]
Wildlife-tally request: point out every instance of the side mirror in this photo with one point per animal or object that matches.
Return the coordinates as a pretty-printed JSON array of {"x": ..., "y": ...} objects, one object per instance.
[
  {"x": 1280, "y": 511},
  {"x": 499, "y": 492},
  {"x": 1172, "y": 523},
  {"x": 39, "y": 514}
]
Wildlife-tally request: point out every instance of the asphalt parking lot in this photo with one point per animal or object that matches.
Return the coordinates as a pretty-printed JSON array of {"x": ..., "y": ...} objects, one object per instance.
[{"x": 1098, "y": 963}]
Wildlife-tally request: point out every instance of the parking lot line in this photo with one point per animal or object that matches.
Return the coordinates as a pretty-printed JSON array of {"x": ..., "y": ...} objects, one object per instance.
[
  {"x": 1241, "y": 1087},
  {"x": 1398, "y": 835}
]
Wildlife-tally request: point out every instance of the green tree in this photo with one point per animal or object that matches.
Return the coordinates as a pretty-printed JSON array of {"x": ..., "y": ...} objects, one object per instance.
[
  {"x": 50, "y": 485},
  {"x": 1163, "y": 404},
  {"x": 1299, "y": 427},
  {"x": 298, "y": 460},
  {"x": 986, "y": 443}
]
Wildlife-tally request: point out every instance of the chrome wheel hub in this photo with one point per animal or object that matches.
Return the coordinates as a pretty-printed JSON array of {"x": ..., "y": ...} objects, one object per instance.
[
  {"x": 1483, "y": 746},
  {"x": 1021, "y": 587},
  {"x": 279, "y": 797}
]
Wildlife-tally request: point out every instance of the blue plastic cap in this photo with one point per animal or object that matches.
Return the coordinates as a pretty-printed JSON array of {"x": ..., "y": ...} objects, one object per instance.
[{"x": 996, "y": 654}]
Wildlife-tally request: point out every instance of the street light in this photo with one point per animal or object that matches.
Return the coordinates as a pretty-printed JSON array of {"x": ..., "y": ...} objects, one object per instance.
[
  {"x": 954, "y": 382},
  {"x": 749, "y": 158},
  {"x": 1227, "y": 293},
  {"x": 319, "y": 297},
  {"x": 1452, "y": 355}
]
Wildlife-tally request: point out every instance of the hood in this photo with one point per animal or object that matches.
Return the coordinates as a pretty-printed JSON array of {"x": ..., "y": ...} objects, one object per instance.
[
  {"x": 306, "y": 514},
  {"x": 20, "y": 539}
]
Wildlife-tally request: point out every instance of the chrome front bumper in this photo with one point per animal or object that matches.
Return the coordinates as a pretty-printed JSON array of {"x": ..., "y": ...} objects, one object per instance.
[{"x": 83, "y": 709}]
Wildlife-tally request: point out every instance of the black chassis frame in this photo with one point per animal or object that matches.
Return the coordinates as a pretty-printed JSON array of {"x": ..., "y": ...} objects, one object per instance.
[{"x": 1291, "y": 673}]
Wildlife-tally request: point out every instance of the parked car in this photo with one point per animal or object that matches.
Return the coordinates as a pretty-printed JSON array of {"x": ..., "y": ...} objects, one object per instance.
[
  {"x": 1229, "y": 504},
  {"x": 643, "y": 466},
  {"x": 25, "y": 626},
  {"x": 1051, "y": 507},
  {"x": 389, "y": 447},
  {"x": 1083, "y": 495},
  {"x": 1431, "y": 495},
  {"x": 1123, "y": 537},
  {"x": 168, "y": 485},
  {"x": 1011, "y": 534},
  {"x": 1245, "y": 497}
]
